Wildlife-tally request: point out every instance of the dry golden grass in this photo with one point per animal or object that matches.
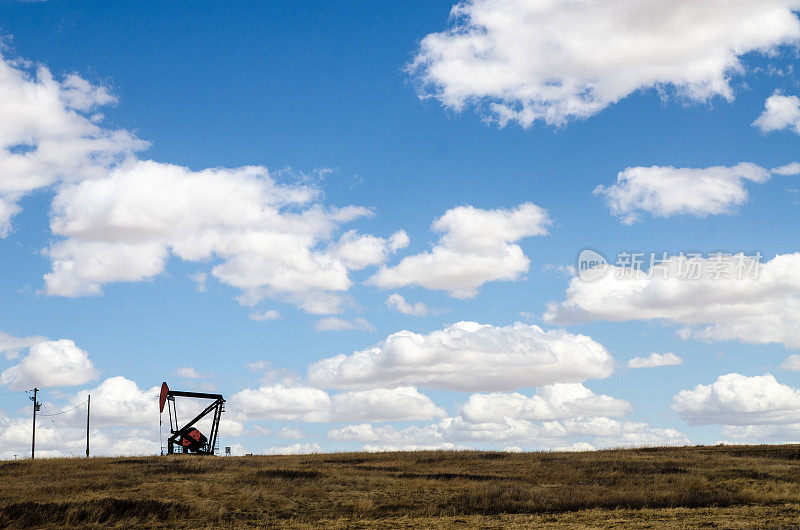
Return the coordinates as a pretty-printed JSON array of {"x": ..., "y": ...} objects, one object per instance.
[{"x": 729, "y": 487}]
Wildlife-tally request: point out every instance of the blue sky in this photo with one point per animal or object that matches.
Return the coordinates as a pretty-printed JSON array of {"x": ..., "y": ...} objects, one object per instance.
[{"x": 323, "y": 96}]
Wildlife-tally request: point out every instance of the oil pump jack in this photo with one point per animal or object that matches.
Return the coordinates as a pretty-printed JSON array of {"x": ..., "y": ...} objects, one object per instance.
[{"x": 186, "y": 438}]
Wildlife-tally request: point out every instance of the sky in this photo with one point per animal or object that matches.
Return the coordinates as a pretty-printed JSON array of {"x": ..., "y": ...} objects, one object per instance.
[{"x": 369, "y": 226}]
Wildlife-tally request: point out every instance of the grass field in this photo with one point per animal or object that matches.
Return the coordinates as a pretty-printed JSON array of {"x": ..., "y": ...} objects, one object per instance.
[{"x": 722, "y": 486}]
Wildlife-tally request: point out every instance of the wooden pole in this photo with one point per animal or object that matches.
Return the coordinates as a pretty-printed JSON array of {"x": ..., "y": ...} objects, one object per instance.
[
  {"x": 88, "y": 407},
  {"x": 33, "y": 437}
]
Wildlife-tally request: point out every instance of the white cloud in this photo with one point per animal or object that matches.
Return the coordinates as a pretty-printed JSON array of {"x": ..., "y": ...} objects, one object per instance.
[
  {"x": 456, "y": 431},
  {"x": 780, "y": 112},
  {"x": 291, "y": 433},
  {"x": 554, "y": 61},
  {"x": 285, "y": 402},
  {"x": 399, "y": 304},
  {"x": 267, "y": 235},
  {"x": 756, "y": 310},
  {"x": 50, "y": 364},
  {"x": 118, "y": 401},
  {"x": 258, "y": 366},
  {"x": 295, "y": 449},
  {"x": 641, "y": 435},
  {"x": 664, "y": 191},
  {"x": 606, "y": 432},
  {"x": 575, "y": 447},
  {"x": 189, "y": 373},
  {"x": 47, "y": 133},
  {"x": 563, "y": 270},
  {"x": 655, "y": 360},
  {"x": 124, "y": 421},
  {"x": 115, "y": 218},
  {"x": 265, "y": 316},
  {"x": 199, "y": 278},
  {"x": 55, "y": 439},
  {"x": 384, "y": 404},
  {"x": 15, "y": 434},
  {"x": 358, "y": 251},
  {"x": 476, "y": 246},
  {"x": 763, "y": 433},
  {"x": 365, "y": 432},
  {"x": 792, "y": 168},
  {"x": 279, "y": 402},
  {"x": 468, "y": 356},
  {"x": 791, "y": 363},
  {"x": 10, "y": 346},
  {"x": 340, "y": 324},
  {"x": 553, "y": 402},
  {"x": 735, "y": 399},
  {"x": 384, "y": 448}
]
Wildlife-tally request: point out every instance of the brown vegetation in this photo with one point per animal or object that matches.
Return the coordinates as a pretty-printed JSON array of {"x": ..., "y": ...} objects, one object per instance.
[{"x": 730, "y": 486}]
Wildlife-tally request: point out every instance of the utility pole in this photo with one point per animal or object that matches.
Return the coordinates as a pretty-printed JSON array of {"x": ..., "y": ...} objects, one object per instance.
[
  {"x": 35, "y": 408},
  {"x": 88, "y": 405}
]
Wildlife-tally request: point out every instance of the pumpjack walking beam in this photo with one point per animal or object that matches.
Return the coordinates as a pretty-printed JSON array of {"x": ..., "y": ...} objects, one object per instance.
[{"x": 187, "y": 436}]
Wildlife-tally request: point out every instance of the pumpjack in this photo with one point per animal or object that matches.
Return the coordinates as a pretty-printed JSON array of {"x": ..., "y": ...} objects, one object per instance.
[{"x": 186, "y": 438}]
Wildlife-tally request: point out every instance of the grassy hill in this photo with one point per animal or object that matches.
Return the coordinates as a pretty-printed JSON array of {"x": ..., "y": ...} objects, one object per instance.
[{"x": 730, "y": 486}]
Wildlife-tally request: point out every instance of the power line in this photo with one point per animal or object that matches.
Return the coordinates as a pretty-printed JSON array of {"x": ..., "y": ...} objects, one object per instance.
[
  {"x": 64, "y": 411},
  {"x": 56, "y": 428}
]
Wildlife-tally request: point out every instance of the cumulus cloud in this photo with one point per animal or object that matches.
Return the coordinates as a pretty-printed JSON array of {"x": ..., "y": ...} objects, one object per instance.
[
  {"x": 560, "y": 269},
  {"x": 468, "y": 356},
  {"x": 763, "y": 433},
  {"x": 476, "y": 246},
  {"x": 553, "y": 402},
  {"x": 340, "y": 324},
  {"x": 116, "y": 218},
  {"x": 10, "y": 346},
  {"x": 554, "y": 61},
  {"x": 792, "y": 168},
  {"x": 456, "y": 432},
  {"x": 664, "y": 191},
  {"x": 791, "y": 363},
  {"x": 385, "y": 404},
  {"x": 120, "y": 401},
  {"x": 49, "y": 132},
  {"x": 780, "y": 112},
  {"x": 189, "y": 373},
  {"x": 735, "y": 399},
  {"x": 358, "y": 251},
  {"x": 291, "y": 433},
  {"x": 265, "y": 316},
  {"x": 718, "y": 303},
  {"x": 655, "y": 360},
  {"x": 280, "y": 402},
  {"x": 559, "y": 415},
  {"x": 365, "y": 432},
  {"x": 258, "y": 366},
  {"x": 305, "y": 448},
  {"x": 52, "y": 363},
  {"x": 124, "y": 422},
  {"x": 309, "y": 404},
  {"x": 268, "y": 235},
  {"x": 60, "y": 440},
  {"x": 399, "y": 304}
]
